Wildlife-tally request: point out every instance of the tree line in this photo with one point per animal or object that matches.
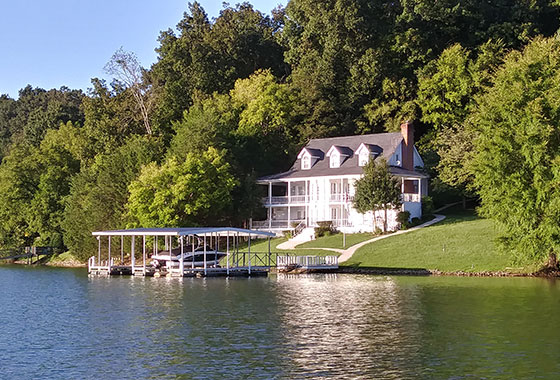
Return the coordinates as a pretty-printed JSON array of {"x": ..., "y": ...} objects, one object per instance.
[{"x": 233, "y": 98}]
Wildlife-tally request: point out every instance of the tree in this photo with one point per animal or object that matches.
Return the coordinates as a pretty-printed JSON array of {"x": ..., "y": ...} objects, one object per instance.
[
  {"x": 206, "y": 57},
  {"x": 98, "y": 194},
  {"x": 517, "y": 152},
  {"x": 377, "y": 189},
  {"x": 195, "y": 192},
  {"x": 125, "y": 68}
]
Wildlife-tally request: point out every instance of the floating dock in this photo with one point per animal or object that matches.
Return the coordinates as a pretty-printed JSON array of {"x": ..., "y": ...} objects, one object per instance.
[{"x": 134, "y": 258}]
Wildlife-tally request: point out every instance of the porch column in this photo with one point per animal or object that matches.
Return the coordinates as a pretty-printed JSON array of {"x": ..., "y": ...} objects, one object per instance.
[
  {"x": 419, "y": 189},
  {"x": 289, "y": 202},
  {"x": 269, "y": 206},
  {"x": 307, "y": 201}
]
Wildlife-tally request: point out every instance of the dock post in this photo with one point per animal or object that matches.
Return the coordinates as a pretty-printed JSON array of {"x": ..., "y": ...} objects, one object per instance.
[
  {"x": 227, "y": 253},
  {"x": 122, "y": 250},
  {"x": 144, "y": 254},
  {"x": 269, "y": 251},
  {"x": 99, "y": 249},
  {"x": 109, "y": 256},
  {"x": 181, "y": 262},
  {"x": 249, "y": 253},
  {"x": 204, "y": 253},
  {"x": 132, "y": 253}
]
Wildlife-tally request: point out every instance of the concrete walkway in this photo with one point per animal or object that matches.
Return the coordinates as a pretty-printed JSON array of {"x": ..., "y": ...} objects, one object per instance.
[{"x": 345, "y": 254}]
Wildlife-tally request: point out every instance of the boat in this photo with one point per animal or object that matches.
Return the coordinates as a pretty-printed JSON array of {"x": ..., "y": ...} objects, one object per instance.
[{"x": 164, "y": 259}]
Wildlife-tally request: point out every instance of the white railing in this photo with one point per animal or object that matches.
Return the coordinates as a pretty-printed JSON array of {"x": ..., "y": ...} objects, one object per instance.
[
  {"x": 102, "y": 265},
  {"x": 411, "y": 197},
  {"x": 307, "y": 262},
  {"x": 341, "y": 223},
  {"x": 294, "y": 199},
  {"x": 283, "y": 224},
  {"x": 341, "y": 197}
]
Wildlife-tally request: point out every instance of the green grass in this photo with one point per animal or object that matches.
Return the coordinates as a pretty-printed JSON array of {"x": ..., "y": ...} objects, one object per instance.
[
  {"x": 335, "y": 241},
  {"x": 461, "y": 242},
  {"x": 261, "y": 245},
  {"x": 65, "y": 259}
]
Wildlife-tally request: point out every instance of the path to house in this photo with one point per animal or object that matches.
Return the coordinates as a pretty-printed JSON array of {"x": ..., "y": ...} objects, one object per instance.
[{"x": 345, "y": 254}]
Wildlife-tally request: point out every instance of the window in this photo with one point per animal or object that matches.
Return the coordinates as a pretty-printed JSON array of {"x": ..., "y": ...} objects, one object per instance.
[
  {"x": 333, "y": 214},
  {"x": 306, "y": 162},
  {"x": 334, "y": 189},
  {"x": 363, "y": 159},
  {"x": 335, "y": 160}
]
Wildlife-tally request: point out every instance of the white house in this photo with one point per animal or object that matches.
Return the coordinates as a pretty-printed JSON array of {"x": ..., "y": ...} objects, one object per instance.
[{"x": 320, "y": 184}]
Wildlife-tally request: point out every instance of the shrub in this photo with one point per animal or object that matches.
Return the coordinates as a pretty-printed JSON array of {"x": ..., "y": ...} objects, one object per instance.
[
  {"x": 325, "y": 228},
  {"x": 415, "y": 221},
  {"x": 403, "y": 218},
  {"x": 288, "y": 234},
  {"x": 427, "y": 205}
]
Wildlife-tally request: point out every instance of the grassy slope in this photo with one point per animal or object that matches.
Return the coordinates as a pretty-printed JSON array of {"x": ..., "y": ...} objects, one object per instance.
[
  {"x": 262, "y": 246},
  {"x": 462, "y": 242},
  {"x": 335, "y": 241}
]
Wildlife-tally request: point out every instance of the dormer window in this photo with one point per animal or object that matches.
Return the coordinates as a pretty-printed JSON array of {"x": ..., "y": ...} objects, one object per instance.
[
  {"x": 306, "y": 162},
  {"x": 335, "y": 160},
  {"x": 337, "y": 155},
  {"x": 363, "y": 158}
]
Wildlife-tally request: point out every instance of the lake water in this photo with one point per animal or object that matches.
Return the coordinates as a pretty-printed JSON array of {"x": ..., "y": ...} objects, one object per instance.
[{"x": 60, "y": 323}]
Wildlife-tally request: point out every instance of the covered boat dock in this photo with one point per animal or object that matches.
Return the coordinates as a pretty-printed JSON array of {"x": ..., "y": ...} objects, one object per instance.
[{"x": 135, "y": 247}]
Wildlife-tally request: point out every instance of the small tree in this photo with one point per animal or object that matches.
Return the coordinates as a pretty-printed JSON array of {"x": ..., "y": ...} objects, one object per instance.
[{"x": 377, "y": 190}]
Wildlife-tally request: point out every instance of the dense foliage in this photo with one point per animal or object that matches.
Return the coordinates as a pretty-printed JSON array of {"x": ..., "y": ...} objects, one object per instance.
[
  {"x": 517, "y": 155},
  {"x": 233, "y": 98}
]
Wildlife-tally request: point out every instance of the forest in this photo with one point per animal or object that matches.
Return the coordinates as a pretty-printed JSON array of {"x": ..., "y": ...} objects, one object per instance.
[{"x": 235, "y": 97}]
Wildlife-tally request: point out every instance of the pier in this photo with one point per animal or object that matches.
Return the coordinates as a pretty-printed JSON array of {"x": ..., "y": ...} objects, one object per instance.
[{"x": 192, "y": 252}]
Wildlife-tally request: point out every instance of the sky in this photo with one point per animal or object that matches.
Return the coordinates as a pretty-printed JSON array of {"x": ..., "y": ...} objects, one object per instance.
[{"x": 56, "y": 43}]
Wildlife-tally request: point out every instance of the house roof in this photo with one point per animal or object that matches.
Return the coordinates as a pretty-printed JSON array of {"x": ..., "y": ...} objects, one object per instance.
[{"x": 383, "y": 143}]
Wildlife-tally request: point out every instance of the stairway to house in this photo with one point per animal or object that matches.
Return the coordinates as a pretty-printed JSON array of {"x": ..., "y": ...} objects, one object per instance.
[{"x": 306, "y": 234}]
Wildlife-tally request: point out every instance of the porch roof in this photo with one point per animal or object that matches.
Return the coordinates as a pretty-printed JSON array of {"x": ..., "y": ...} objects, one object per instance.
[{"x": 295, "y": 174}]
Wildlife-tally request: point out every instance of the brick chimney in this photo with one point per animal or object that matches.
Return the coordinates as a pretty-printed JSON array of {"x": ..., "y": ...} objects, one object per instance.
[{"x": 407, "y": 131}]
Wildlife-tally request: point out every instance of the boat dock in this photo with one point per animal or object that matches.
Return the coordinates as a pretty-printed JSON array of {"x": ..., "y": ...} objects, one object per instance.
[{"x": 218, "y": 253}]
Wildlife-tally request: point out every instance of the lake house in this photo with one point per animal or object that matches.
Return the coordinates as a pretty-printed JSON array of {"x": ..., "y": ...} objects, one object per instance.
[{"x": 320, "y": 185}]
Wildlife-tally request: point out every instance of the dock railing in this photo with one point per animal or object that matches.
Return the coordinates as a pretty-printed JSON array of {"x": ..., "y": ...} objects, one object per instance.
[{"x": 307, "y": 262}]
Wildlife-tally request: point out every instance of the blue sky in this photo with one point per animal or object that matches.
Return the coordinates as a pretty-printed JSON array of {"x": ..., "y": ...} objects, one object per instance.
[{"x": 53, "y": 43}]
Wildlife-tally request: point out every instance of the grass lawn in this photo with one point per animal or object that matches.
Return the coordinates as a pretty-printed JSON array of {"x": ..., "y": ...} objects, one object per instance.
[
  {"x": 335, "y": 241},
  {"x": 461, "y": 242},
  {"x": 261, "y": 245}
]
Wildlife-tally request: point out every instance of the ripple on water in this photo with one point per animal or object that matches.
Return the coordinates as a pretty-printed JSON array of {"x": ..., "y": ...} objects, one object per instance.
[{"x": 59, "y": 323}]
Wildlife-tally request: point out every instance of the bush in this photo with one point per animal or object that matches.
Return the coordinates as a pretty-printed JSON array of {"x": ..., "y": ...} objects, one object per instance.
[
  {"x": 325, "y": 228},
  {"x": 415, "y": 221},
  {"x": 288, "y": 234},
  {"x": 403, "y": 218},
  {"x": 427, "y": 205}
]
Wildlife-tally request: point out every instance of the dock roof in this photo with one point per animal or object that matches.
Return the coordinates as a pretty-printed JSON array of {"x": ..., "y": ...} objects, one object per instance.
[{"x": 181, "y": 231}]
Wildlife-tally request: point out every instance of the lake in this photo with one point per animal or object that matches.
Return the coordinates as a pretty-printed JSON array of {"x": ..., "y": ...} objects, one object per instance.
[{"x": 60, "y": 323}]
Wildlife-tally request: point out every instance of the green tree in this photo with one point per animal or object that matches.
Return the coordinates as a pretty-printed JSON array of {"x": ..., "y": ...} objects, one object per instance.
[
  {"x": 377, "y": 189},
  {"x": 98, "y": 194},
  {"x": 517, "y": 152},
  {"x": 207, "y": 57},
  {"x": 195, "y": 192}
]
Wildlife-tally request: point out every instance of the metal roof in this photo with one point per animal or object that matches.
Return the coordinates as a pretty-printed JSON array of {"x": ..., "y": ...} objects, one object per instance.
[{"x": 182, "y": 231}]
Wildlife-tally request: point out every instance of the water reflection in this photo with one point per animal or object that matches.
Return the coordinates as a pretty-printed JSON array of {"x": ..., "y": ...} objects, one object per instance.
[
  {"x": 63, "y": 324},
  {"x": 341, "y": 325}
]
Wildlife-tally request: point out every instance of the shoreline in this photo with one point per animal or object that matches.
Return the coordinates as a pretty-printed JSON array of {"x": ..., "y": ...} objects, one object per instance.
[
  {"x": 366, "y": 271},
  {"x": 435, "y": 272}
]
